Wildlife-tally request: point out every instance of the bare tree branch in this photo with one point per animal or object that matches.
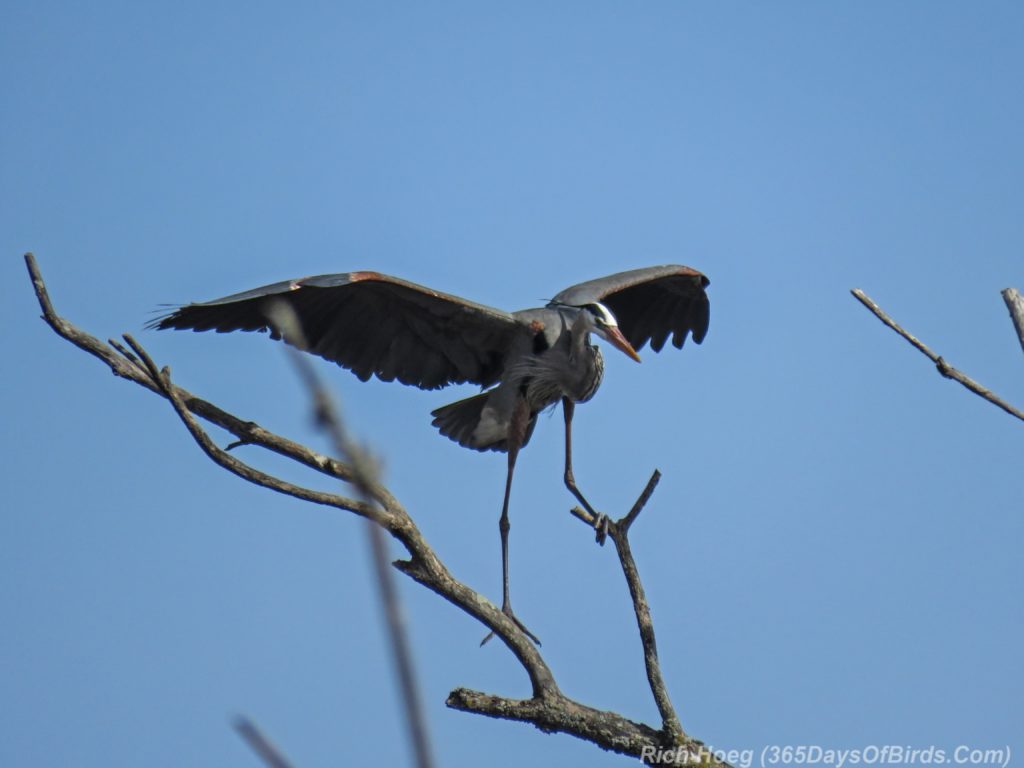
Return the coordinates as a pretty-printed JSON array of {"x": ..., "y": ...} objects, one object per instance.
[
  {"x": 559, "y": 714},
  {"x": 123, "y": 364},
  {"x": 943, "y": 367},
  {"x": 1015, "y": 303},
  {"x": 260, "y": 744},
  {"x": 548, "y": 708},
  {"x": 619, "y": 532},
  {"x": 225, "y": 460}
]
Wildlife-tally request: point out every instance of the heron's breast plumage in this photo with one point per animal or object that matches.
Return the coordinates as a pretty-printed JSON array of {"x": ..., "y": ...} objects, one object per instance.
[
  {"x": 592, "y": 380},
  {"x": 548, "y": 379}
]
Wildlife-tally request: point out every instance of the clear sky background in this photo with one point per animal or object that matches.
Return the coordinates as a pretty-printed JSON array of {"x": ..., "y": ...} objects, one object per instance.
[{"x": 833, "y": 556}]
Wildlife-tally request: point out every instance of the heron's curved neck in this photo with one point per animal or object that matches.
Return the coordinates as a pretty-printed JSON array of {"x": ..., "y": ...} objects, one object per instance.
[{"x": 579, "y": 336}]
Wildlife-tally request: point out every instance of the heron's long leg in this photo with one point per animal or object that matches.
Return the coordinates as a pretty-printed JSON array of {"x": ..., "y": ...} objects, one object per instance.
[
  {"x": 601, "y": 521},
  {"x": 516, "y": 434},
  {"x": 504, "y": 526},
  {"x": 568, "y": 407}
]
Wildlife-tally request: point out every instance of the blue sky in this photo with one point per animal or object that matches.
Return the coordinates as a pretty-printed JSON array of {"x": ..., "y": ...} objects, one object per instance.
[{"x": 832, "y": 557}]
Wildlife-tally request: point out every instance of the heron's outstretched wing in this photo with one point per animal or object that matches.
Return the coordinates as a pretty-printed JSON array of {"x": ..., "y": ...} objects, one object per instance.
[
  {"x": 372, "y": 324},
  {"x": 650, "y": 303}
]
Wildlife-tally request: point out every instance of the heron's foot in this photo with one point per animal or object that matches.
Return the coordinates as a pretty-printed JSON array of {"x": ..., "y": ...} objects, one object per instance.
[
  {"x": 601, "y": 525},
  {"x": 507, "y": 610}
]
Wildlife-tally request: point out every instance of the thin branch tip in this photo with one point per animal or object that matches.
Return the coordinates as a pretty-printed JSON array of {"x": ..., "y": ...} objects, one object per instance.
[
  {"x": 641, "y": 501},
  {"x": 945, "y": 369},
  {"x": 581, "y": 514},
  {"x": 258, "y": 743},
  {"x": 1015, "y": 304}
]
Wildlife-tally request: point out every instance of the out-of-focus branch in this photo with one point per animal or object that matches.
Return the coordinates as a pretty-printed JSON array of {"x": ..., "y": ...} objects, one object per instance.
[
  {"x": 1015, "y": 303},
  {"x": 943, "y": 367},
  {"x": 260, "y": 744},
  {"x": 365, "y": 479}
]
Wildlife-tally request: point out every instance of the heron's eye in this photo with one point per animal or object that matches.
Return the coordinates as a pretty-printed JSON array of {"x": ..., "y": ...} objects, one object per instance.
[
  {"x": 601, "y": 314},
  {"x": 598, "y": 315}
]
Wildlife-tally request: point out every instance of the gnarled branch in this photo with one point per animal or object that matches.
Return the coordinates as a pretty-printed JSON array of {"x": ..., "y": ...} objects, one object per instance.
[{"x": 548, "y": 708}]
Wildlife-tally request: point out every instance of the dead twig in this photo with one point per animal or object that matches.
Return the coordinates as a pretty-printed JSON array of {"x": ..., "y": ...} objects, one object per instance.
[
  {"x": 943, "y": 367},
  {"x": 260, "y": 744},
  {"x": 123, "y": 364},
  {"x": 1015, "y": 303},
  {"x": 225, "y": 460},
  {"x": 619, "y": 533}
]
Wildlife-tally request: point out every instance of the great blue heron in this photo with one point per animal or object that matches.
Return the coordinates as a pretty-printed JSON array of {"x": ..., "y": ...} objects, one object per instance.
[{"x": 376, "y": 325}]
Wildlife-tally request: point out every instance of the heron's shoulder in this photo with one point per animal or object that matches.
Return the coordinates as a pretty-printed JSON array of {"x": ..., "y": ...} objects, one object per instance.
[{"x": 546, "y": 319}]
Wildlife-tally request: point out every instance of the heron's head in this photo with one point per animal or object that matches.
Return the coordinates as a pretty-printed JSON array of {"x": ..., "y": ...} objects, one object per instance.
[{"x": 599, "y": 319}]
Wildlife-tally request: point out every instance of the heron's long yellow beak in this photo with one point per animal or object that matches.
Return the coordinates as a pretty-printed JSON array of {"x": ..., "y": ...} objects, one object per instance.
[{"x": 618, "y": 340}]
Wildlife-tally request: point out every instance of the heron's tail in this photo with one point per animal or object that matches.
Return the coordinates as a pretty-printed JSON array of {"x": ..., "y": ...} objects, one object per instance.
[{"x": 472, "y": 424}]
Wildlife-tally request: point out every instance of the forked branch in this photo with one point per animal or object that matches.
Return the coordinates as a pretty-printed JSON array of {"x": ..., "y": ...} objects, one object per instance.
[
  {"x": 619, "y": 533},
  {"x": 548, "y": 709}
]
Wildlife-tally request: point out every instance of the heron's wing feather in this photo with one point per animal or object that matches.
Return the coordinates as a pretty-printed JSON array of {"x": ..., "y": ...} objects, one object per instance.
[
  {"x": 374, "y": 325},
  {"x": 650, "y": 304}
]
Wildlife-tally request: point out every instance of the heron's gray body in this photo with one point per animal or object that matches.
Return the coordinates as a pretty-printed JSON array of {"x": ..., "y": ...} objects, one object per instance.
[
  {"x": 526, "y": 361},
  {"x": 568, "y": 365},
  {"x": 541, "y": 368}
]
